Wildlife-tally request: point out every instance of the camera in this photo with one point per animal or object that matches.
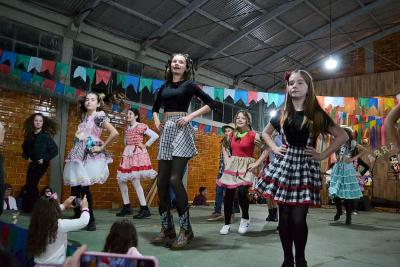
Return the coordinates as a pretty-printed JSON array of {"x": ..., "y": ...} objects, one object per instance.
[{"x": 76, "y": 202}]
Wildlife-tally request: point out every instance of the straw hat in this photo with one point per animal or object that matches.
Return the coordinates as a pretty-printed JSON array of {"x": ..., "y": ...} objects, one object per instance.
[{"x": 229, "y": 125}]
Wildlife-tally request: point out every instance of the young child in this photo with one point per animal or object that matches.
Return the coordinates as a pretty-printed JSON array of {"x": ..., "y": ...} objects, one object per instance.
[
  {"x": 219, "y": 191},
  {"x": 38, "y": 148},
  {"x": 238, "y": 173},
  {"x": 344, "y": 183},
  {"x": 135, "y": 163},
  {"x": 47, "y": 233},
  {"x": 122, "y": 239},
  {"x": 201, "y": 198},
  {"x": 87, "y": 162},
  {"x": 9, "y": 201},
  {"x": 294, "y": 175}
]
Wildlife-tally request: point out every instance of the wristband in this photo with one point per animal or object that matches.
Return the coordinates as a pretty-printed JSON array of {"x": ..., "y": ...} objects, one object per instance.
[{"x": 85, "y": 209}]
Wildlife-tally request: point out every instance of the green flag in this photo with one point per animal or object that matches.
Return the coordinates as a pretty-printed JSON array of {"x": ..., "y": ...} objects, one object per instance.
[
  {"x": 24, "y": 60},
  {"x": 144, "y": 82},
  {"x": 219, "y": 94}
]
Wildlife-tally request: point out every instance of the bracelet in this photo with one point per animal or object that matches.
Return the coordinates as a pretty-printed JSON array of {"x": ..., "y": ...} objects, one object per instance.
[{"x": 85, "y": 209}]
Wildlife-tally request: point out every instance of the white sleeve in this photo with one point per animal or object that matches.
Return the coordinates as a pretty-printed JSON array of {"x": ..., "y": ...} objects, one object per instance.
[
  {"x": 13, "y": 203},
  {"x": 67, "y": 225},
  {"x": 153, "y": 136}
]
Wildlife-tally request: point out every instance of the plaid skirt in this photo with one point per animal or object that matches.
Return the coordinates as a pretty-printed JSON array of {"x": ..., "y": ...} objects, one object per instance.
[
  {"x": 292, "y": 180},
  {"x": 176, "y": 141}
]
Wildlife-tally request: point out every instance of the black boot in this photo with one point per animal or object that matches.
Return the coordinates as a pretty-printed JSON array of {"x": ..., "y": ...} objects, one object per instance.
[
  {"x": 167, "y": 233},
  {"x": 185, "y": 233},
  {"x": 275, "y": 214},
  {"x": 339, "y": 211},
  {"x": 144, "y": 212},
  {"x": 347, "y": 203},
  {"x": 270, "y": 215},
  {"x": 126, "y": 210}
]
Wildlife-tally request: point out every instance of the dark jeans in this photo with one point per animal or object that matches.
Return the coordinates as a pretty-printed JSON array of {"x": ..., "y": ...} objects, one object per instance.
[
  {"x": 1, "y": 183},
  {"x": 33, "y": 176},
  {"x": 219, "y": 197}
]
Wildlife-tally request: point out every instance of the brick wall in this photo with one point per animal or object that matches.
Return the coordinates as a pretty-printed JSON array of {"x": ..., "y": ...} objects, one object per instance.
[{"x": 15, "y": 107}]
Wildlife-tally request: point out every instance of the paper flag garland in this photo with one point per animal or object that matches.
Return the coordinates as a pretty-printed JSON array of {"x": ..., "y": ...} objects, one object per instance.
[
  {"x": 229, "y": 92},
  {"x": 90, "y": 73},
  {"x": 132, "y": 80},
  {"x": 144, "y": 82},
  {"x": 156, "y": 85},
  {"x": 10, "y": 56},
  {"x": 35, "y": 63},
  {"x": 37, "y": 80},
  {"x": 103, "y": 76},
  {"x": 61, "y": 71},
  {"x": 48, "y": 65},
  {"x": 121, "y": 79},
  {"x": 80, "y": 72},
  {"x": 252, "y": 96},
  {"x": 219, "y": 94},
  {"x": 240, "y": 95},
  {"x": 24, "y": 60}
]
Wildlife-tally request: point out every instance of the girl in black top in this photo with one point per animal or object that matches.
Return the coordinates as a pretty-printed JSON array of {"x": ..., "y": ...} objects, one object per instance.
[
  {"x": 176, "y": 144},
  {"x": 38, "y": 148},
  {"x": 293, "y": 178}
]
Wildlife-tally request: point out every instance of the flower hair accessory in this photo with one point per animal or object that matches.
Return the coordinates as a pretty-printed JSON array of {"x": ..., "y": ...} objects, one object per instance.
[
  {"x": 286, "y": 76},
  {"x": 50, "y": 195}
]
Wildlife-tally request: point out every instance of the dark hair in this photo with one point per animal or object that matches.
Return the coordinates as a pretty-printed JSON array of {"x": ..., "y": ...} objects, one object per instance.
[
  {"x": 315, "y": 118},
  {"x": 202, "y": 189},
  {"x": 82, "y": 108},
  {"x": 7, "y": 186},
  {"x": 43, "y": 192},
  {"x": 43, "y": 225},
  {"x": 136, "y": 112},
  {"x": 121, "y": 237},
  {"x": 49, "y": 125},
  {"x": 189, "y": 73}
]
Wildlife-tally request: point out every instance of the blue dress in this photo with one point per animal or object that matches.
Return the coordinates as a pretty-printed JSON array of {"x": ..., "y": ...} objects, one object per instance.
[{"x": 344, "y": 183}]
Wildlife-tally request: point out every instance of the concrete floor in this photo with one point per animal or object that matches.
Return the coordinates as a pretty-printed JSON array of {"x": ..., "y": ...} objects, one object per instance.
[{"x": 372, "y": 240}]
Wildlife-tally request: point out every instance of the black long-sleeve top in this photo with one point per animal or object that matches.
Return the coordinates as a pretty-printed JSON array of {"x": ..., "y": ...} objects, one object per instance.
[
  {"x": 39, "y": 146},
  {"x": 175, "y": 97}
]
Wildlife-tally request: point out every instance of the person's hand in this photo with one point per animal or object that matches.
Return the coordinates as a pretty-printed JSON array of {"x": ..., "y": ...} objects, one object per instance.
[
  {"x": 68, "y": 202},
  {"x": 97, "y": 149},
  {"x": 280, "y": 150},
  {"x": 74, "y": 260},
  {"x": 40, "y": 161},
  {"x": 141, "y": 145},
  {"x": 252, "y": 166},
  {"x": 313, "y": 153},
  {"x": 84, "y": 203},
  {"x": 183, "y": 121}
]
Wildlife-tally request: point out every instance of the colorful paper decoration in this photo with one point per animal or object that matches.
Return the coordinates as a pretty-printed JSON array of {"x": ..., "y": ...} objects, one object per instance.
[
  {"x": 121, "y": 79},
  {"x": 219, "y": 94},
  {"x": 15, "y": 74},
  {"x": 229, "y": 92},
  {"x": 61, "y": 71},
  {"x": 90, "y": 73},
  {"x": 48, "y": 65},
  {"x": 103, "y": 76},
  {"x": 5, "y": 69},
  {"x": 59, "y": 90},
  {"x": 80, "y": 72},
  {"x": 70, "y": 91},
  {"x": 240, "y": 95},
  {"x": 132, "y": 80},
  {"x": 26, "y": 77},
  {"x": 145, "y": 82},
  {"x": 252, "y": 96},
  {"x": 209, "y": 91},
  {"x": 10, "y": 56},
  {"x": 37, "y": 80},
  {"x": 24, "y": 60},
  {"x": 35, "y": 63},
  {"x": 156, "y": 85},
  {"x": 49, "y": 84}
]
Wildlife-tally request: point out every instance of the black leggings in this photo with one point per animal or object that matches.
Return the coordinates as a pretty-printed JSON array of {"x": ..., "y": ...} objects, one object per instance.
[
  {"x": 349, "y": 205},
  {"x": 34, "y": 174},
  {"x": 243, "y": 202},
  {"x": 293, "y": 229},
  {"x": 171, "y": 172},
  {"x": 81, "y": 191}
]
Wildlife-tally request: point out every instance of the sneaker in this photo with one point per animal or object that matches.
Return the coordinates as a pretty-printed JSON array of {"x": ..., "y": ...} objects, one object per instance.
[
  {"x": 355, "y": 212},
  {"x": 225, "y": 229},
  {"x": 244, "y": 226},
  {"x": 215, "y": 216}
]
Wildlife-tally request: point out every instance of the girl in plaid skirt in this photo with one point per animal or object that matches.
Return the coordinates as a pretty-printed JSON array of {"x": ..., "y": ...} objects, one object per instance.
[
  {"x": 293, "y": 178},
  {"x": 87, "y": 162},
  {"x": 177, "y": 145},
  {"x": 239, "y": 167}
]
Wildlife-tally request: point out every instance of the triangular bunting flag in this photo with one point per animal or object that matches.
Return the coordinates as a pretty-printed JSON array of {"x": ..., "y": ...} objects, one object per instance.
[
  {"x": 229, "y": 92},
  {"x": 219, "y": 94},
  {"x": 80, "y": 72},
  {"x": 156, "y": 85},
  {"x": 10, "y": 56},
  {"x": 103, "y": 76},
  {"x": 240, "y": 95},
  {"x": 70, "y": 91},
  {"x": 23, "y": 60},
  {"x": 132, "y": 80},
  {"x": 48, "y": 65},
  {"x": 90, "y": 73},
  {"x": 252, "y": 96},
  {"x": 37, "y": 80},
  {"x": 59, "y": 90},
  {"x": 61, "y": 71},
  {"x": 145, "y": 82},
  {"x": 5, "y": 69},
  {"x": 35, "y": 63},
  {"x": 121, "y": 79},
  {"x": 26, "y": 77},
  {"x": 209, "y": 90}
]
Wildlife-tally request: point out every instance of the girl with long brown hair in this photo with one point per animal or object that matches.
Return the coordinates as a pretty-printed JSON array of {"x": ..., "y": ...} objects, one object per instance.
[
  {"x": 38, "y": 148},
  {"x": 87, "y": 162},
  {"x": 294, "y": 175},
  {"x": 177, "y": 144}
]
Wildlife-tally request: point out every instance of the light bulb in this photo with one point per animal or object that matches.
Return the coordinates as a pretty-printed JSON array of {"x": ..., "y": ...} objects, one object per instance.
[{"x": 331, "y": 63}]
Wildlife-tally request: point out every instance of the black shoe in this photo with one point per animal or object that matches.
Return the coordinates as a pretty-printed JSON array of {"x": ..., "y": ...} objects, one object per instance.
[
  {"x": 337, "y": 215},
  {"x": 348, "y": 218},
  {"x": 143, "y": 213},
  {"x": 91, "y": 226},
  {"x": 126, "y": 210},
  {"x": 274, "y": 214}
]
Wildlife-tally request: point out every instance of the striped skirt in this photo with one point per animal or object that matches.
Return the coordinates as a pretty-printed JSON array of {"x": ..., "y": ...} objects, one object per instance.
[
  {"x": 292, "y": 180},
  {"x": 176, "y": 141}
]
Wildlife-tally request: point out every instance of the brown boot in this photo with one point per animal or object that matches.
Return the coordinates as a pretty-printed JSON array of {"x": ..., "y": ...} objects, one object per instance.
[
  {"x": 185, "y": 236},
  {"x": 165, "y": 235}
]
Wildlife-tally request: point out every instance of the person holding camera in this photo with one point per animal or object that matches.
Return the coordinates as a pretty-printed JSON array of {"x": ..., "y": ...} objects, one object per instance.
[{"x": 47, "y": 232}]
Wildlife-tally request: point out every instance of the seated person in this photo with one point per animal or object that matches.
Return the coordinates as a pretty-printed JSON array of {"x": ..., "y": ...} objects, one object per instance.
[
  {"x": 122, "y": 239},
  {"x": 201, "y": 198},
  {"x": 9, "y": 201}
]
